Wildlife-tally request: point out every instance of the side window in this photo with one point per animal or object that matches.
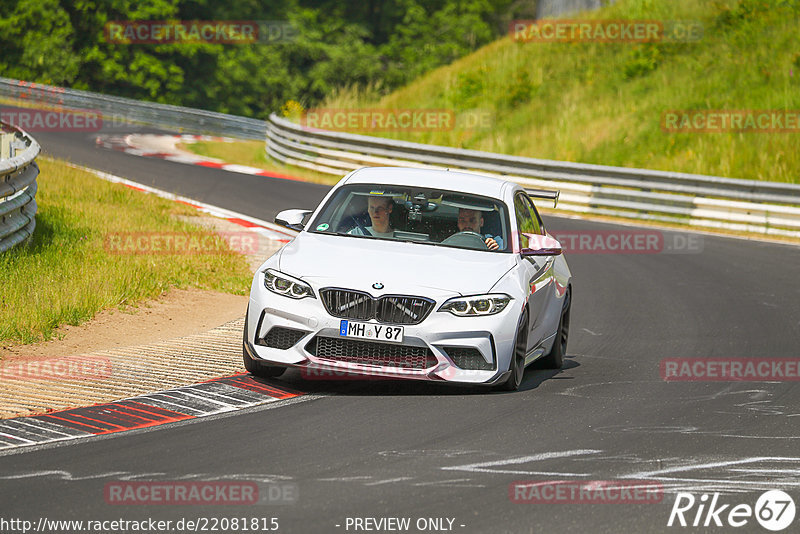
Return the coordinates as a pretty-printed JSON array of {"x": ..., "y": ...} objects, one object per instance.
[
  {"x": 525, "y": 223},
  {"x": 537, "y": 220}
]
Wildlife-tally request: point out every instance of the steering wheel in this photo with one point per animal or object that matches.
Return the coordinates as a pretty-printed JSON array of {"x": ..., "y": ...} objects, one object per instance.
[
  {"x": 352, "y": 222},
  {"x": 467, "y": 239},
  {"x": 361, "y": 227}
]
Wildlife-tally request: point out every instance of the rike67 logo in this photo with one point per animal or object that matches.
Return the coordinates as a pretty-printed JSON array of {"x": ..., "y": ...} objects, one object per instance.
[{"x": 774, "y": 510}]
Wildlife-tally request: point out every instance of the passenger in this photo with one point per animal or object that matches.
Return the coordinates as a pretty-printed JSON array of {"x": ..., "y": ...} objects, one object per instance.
[
  {"x": 472, "y": 221},
  {"x": 379, "y": 209}
]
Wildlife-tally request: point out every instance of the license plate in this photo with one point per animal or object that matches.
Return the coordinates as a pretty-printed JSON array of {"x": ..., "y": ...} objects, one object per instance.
[{"x": 378, "y": 332}]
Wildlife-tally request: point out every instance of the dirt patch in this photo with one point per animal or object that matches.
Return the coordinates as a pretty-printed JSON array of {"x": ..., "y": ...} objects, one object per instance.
[
  {"x": 180, "y": 338},
  {"x": 178, "y": 313}
]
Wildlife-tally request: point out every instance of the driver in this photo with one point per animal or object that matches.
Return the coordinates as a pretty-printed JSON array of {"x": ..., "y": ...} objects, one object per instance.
[
  {"x": 472, "y": 221},
  {"x": 379, "y": 209}
]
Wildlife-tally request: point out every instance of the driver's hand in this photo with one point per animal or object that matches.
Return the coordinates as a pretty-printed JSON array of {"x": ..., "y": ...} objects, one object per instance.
[{"x": 491, "y": 244}]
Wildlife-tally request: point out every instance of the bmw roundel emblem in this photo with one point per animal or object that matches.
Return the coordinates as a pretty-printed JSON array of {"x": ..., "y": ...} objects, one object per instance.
[{"x": 377, "y": 285}]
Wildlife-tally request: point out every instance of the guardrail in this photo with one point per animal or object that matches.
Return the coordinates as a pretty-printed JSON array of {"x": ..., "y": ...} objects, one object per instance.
[
  {"x": 18, "y": 172},
  {"x": 693, "y": 199},
  {"x": 122, "y": 110},
  {"x": 697, "y": 200}
]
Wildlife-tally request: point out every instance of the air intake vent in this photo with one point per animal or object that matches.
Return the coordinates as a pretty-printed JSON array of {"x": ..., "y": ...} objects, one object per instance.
[
  {"x": 371, "y": 353},
  {"x": 282, "y": 338},
  {"x": 468, "y": 358}
]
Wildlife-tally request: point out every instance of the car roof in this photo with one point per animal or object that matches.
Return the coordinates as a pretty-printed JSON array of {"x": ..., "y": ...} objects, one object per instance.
[{"x": 438, "y": 179}]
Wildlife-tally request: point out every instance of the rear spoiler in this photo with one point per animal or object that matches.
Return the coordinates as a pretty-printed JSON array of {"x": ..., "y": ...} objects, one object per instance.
[{"x": 544, "y": 193}]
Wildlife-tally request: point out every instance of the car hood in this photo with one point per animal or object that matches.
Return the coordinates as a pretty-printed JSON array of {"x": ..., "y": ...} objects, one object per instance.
[{"x": 402, "y": 267}]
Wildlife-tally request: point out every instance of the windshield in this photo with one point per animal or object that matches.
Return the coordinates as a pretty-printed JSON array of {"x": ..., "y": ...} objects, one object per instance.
[{"x": 421, "y": 215}]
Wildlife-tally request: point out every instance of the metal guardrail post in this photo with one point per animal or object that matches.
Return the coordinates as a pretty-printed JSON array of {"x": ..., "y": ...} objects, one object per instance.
[
  {"x": 117, "y": 110},
  {"x": 697, "y": 200},
  {"x": 5, "y": 146}
]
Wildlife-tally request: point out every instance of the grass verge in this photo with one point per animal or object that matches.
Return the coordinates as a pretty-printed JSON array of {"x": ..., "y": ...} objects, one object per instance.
[
  {"x": 603, "y": 103},
  {"x": 66, "y": 273}
]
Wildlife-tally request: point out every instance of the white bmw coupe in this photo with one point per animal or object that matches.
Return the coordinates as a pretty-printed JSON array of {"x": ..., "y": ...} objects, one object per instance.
[{"x": 414, "y": 274}]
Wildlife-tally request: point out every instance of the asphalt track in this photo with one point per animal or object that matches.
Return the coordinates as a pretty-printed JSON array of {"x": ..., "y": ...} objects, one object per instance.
[{"x": 388, "y": 449}]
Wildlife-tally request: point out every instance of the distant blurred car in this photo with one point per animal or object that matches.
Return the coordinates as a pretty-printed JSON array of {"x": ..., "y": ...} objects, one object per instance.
[{"x": 421, "y": 301}]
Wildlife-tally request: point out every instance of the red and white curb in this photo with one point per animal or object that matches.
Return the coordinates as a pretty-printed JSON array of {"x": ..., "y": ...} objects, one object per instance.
[
  {"x": 216, "y": 396},
  {"x": 209, "y": 398},
  {"x": 266, "y": 229},
  {"x": 163, "y": 147}
]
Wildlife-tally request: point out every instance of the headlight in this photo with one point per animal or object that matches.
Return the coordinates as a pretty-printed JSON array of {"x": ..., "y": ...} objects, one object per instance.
[
  {"x": 286, "y": 285},
  {"x": 476, "y": 306}
]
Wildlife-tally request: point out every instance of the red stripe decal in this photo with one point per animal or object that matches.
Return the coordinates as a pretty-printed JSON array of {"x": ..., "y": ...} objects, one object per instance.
[
  {"x": 270, "y": 174},
  {"x": 114, "y": 417},
  {"x": 124, "y": 415},
  {"x": 248, "y": 224},
  {"x": 149, "y": 409},
  {"x": 245, "y": 381},
  {"x": 242, "y": 222},
  {"x": 195, "y": 206},
  {"x": 135, "y": 414},
  {"x": 211, "y": 164},
  {"x": 54, "y": 418}
]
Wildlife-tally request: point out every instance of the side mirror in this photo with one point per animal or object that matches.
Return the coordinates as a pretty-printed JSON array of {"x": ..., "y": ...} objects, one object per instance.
[
  {"x": 541, "y": 245},
  {"x": 292, "y": 219}
]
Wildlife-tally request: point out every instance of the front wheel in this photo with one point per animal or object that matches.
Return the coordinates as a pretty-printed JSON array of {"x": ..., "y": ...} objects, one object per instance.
[
  {"x": 555, "y": 358},
  {"x": 517, "y": 363}
]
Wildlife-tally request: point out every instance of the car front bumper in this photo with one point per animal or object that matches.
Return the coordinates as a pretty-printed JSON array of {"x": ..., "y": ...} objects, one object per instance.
[{"x": 426, "y": 353}]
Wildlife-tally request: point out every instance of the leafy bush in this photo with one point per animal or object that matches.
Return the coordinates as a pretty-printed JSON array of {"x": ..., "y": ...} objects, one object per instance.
[
  {"x": 641, "y": 60},
  {"x": 381, "y": 44}
]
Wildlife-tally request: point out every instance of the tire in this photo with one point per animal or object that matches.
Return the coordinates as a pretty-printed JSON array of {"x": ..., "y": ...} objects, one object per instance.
[
  {"x": 555, "y": 358},
  {"x": 254, "y": 367},
  {"x": 517, "y": 363}
]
